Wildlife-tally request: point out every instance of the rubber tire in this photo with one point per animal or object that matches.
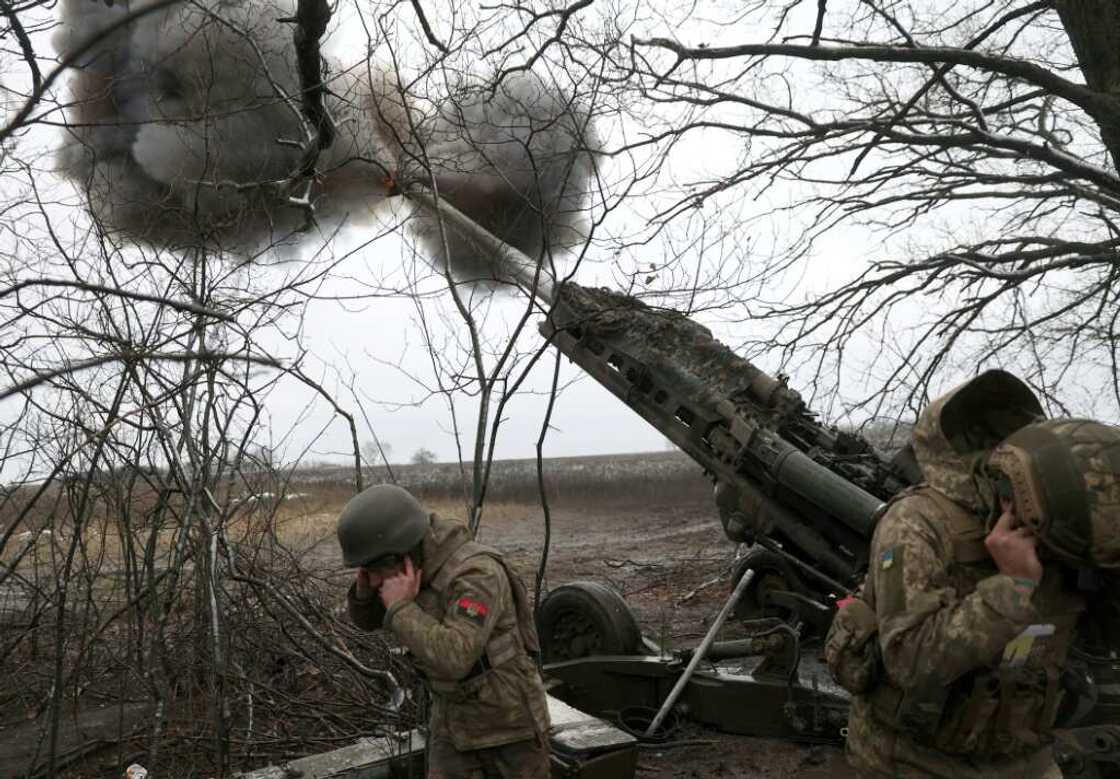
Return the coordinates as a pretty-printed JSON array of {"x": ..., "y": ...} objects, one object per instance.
[{"x": 615, "y": 629}]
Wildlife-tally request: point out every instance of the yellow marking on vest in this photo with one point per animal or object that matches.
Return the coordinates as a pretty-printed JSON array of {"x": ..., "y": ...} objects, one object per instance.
[{"x": 1018, "y": 650}]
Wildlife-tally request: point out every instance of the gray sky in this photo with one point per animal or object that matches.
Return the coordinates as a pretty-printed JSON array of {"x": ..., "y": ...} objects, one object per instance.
[{"x": 373, "y": 357}]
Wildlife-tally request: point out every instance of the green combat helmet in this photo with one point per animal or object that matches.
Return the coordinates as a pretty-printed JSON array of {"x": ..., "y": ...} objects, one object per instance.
[
  {"x": 381, "y": 520},
  {"x": 1064, "y": 477}
]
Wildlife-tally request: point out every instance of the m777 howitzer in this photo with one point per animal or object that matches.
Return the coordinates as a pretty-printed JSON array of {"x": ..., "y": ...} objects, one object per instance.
[
  {"x": 781, "y": 475},
  {"x": 813, "y": 491},
  {"x": 808, "y": 494}
]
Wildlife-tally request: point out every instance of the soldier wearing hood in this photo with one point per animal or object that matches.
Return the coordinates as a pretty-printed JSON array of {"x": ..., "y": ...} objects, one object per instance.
[
  {"x": 955, "y": 647},
  {"x": 467, "y": 622}
]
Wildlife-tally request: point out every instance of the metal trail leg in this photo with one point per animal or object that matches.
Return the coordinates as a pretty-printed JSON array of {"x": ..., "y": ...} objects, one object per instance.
[{"x": 701, "y": 650}]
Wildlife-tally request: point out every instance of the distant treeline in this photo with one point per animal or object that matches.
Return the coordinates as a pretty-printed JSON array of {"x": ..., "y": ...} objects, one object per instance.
[{"x": 649, "y": 476}]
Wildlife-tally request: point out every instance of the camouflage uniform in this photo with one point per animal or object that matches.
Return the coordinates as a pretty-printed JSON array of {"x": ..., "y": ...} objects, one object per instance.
[
  {"x": 970, "y": 658},
  {"x": 489, "y": 710}
]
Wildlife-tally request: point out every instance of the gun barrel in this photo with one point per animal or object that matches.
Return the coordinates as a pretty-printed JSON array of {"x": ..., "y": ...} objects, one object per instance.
[
  {"x": 510, "y": 264},
  {"x": 855, "y": 507}
]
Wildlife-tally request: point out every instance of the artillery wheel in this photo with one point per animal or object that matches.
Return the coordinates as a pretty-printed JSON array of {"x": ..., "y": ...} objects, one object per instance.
[
  {"x": 586, "y": 618},
  {"x": 772, "y": 574}
]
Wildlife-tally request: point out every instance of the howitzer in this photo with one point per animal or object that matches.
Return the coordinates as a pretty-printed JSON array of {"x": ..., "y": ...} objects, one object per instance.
[
  {"x": 809, "y": 493},
  {"x": 810, "y": 489},
  {"x": 780, "y": 474}
]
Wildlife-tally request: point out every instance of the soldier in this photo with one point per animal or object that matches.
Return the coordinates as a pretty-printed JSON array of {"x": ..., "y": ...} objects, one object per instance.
[
  {"x": 955, "y": 648},
  {"x": 466, "y": 620}
]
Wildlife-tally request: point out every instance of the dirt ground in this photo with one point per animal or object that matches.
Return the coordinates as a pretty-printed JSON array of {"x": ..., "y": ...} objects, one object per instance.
[
  {"x": 671, "y": 562},
  {"x": 655, "y": 539}
]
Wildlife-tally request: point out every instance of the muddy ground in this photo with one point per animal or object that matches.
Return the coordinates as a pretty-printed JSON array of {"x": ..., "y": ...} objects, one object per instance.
[
  {"x": 671, "y": 562},
  {"x": 643, "y": 524}
]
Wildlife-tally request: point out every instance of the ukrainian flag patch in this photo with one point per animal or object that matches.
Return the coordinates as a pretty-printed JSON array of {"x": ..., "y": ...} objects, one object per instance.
[{"x": 886, "y": 559}]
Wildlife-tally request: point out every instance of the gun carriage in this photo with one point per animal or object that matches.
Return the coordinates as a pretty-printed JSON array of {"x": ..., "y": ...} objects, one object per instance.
[{"x": 804, "y": 495}]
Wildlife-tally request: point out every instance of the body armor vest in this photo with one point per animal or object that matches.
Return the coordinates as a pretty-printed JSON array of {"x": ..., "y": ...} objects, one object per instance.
[
  {"x": 510, "y": 638},
  {"x": 501, "y": 699},
  {"x": 1008, "y": 705}
]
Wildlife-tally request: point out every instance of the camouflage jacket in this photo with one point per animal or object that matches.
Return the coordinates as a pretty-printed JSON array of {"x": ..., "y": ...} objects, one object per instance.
[
  {"x": 486, "y": 690},
  {"x": 971, "y": 657}
]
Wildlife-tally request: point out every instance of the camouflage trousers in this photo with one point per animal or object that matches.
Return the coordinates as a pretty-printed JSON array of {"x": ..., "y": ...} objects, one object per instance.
[
  {"x": 1041, "y": 766},
  {"x": 877, "y": 750},
  {"x": 520, "y": 760}
]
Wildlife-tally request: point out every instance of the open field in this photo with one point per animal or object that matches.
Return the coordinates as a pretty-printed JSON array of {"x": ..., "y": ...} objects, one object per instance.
[{"x": 641, "y": 523}]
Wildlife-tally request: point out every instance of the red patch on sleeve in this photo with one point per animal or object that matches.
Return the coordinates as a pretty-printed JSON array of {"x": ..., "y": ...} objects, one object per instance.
[
  {"x": 472, "y": 609},
  {"x": 467, "y": 603}
]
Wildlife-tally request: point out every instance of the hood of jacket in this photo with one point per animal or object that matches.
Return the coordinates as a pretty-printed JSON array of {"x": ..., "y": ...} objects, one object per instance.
[{"x": 957, "y": 431}]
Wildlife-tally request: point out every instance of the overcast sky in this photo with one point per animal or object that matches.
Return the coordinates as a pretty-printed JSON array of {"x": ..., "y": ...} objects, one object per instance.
[
  {"x": 372, "y": 357},
  {"x": 379, "y": 344}
]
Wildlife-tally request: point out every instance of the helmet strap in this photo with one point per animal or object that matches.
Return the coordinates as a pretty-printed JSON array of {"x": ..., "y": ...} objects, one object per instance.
[
  {"x": 1065, "y": 500},
  {"x": 984, "y": 485}
]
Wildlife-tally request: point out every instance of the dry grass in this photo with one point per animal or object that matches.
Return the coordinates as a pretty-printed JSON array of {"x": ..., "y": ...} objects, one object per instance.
[
  {"x": 299, "y": 512},
  {"x": 299, "y": 525},
  {"x": 96, "y": 605}
]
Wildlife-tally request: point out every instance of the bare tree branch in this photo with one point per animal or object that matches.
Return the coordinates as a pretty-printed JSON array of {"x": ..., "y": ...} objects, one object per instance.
[
  {"x": 431, "y": 36},
  {"x": 78, "y": 366},
  {"x": 24, "y": 45},
  {"x": 822, "y": 7},
  {"x": 1093, "y": 102},
  {"x": 101, "y": 289}
]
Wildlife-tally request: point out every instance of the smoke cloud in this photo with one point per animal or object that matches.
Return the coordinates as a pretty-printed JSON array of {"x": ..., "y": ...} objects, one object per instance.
[{"x": 177, "y": 121}]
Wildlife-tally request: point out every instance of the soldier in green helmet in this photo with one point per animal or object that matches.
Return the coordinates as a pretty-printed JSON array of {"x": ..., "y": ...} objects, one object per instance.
[
  {"x": 466, "y": 619},
  {"x": 956, "y": 645}
]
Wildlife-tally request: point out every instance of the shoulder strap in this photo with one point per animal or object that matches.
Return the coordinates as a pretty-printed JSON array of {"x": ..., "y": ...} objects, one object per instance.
[
  {"x": 498, "y": 649},
  {"x": 906, "y": 492},
  {"x": 453, "y": 564},
  {"x": 526, "y": 621},
  {"x": 966, "y": 529}
]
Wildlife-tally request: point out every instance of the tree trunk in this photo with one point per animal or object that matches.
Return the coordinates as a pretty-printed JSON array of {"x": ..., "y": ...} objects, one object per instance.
[{"x": 1093, "y": 27}]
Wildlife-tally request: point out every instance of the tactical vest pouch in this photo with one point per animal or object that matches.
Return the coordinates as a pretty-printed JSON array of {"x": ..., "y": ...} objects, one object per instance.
[
  {"x": 526, "y": 622},
  {"x": 851, "y": 651},
  {"x": 464, "y": 690},
  {"x": 1002, "y": 714},
  {"x": 1028, "y": 705},
  {"x": 968, "y": 723},
  {"x": 492, "y": 703}
]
